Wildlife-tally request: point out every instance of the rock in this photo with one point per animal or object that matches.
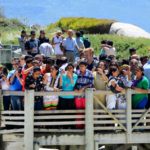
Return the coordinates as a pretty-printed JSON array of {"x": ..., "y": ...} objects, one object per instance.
[{"x": 126, "y": 29}]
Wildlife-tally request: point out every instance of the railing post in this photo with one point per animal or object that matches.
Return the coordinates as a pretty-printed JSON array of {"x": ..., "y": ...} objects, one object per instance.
[
  {"x": 129, "y": 115},
  {"x": 89, "y": 127},
  {"x": 29, "y": 120}
]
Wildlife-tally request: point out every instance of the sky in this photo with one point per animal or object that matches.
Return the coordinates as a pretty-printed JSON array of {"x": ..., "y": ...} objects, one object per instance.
[{"x": 45, "y": 12}]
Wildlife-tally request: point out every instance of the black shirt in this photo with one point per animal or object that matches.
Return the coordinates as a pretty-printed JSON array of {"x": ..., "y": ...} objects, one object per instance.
[{"x": 43, "y": 40}]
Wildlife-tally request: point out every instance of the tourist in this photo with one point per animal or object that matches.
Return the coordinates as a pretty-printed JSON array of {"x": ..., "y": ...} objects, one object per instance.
[
  {"x": 31, "y": 46},
  {"x": 67, "y": 83},
  {"x": 70, "y": 45},
  {"x": 51, "y": 81},
  {"x": 140, "y": 84},
  {"x": 42, "y": 38},
  {"x": 34, "y": 81},
  {"x": 56, "y": 42}
]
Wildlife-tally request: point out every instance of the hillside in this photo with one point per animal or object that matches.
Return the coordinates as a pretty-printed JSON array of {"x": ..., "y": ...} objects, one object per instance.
[{"x": 10, "y": 30}]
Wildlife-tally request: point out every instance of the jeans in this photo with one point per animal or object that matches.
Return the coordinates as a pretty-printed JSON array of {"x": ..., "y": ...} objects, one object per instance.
[
  {"x": 6, "y": 102},
  {"x": 16, "y": 103}
]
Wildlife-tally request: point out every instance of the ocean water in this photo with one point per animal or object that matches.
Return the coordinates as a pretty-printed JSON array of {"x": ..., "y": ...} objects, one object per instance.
[{"x": 45, "y": 12}]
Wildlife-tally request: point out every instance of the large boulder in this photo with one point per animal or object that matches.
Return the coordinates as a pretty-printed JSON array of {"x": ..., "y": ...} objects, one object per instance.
[{"x": 126, "y": 29}]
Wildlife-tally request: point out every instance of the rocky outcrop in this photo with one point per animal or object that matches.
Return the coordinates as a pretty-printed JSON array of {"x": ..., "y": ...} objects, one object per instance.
[{"x": 126, "y": 29}]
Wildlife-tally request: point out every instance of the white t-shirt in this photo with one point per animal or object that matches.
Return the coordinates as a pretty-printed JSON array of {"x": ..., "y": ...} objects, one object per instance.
[
  {"x": 57, "y": 41},
  {"x": 46, "y": 49},
  {"x": 4, "y": 85},
  {"x": 110, "y": 51}
]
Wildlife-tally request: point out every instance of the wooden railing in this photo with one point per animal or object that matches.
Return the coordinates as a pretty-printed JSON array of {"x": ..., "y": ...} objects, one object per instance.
[{"x": 64, "y": 121}]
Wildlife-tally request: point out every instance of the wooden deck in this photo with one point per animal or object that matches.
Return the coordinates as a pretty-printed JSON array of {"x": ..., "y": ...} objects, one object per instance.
[{"x": 34, "y": 129}]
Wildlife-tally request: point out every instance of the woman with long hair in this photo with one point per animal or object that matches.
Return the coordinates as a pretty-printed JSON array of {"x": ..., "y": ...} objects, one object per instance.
[{"x": 51, "y": 81}]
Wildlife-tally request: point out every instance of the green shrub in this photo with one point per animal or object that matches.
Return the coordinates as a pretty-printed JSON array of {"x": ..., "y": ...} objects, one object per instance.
[{"x": 89, "y": 25}]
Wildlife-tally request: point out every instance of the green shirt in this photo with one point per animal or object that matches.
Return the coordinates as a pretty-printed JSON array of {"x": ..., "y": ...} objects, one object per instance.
[{"x": 136, "y": 98}]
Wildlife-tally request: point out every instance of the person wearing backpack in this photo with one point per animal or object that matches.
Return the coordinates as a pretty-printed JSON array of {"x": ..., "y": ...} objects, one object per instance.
[{"x": 85, "y": 40}]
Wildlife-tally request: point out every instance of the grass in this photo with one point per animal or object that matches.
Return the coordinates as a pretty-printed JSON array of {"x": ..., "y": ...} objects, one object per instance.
[{"x": 122, "y": 44}]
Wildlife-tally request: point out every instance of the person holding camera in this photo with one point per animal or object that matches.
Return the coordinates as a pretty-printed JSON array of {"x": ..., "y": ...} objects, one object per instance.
[
  {"x": 15, "y": 81},
  {"x": 100, "y": 81}
]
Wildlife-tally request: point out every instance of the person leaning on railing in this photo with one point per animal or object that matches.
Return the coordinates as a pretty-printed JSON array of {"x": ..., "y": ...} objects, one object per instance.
[
  {"x": 85, "y": 80},
  {"x": 51, "y": 81},
  {"x": 100, "y": 81},
  {"x": 34, "y": 81},
  {"x": 67, "y": 82},
  {"x": 141, "y": 85}
]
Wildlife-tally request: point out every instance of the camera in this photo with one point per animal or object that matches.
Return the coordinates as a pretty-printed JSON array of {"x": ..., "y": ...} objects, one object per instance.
[{"x": 19, "y": 69}]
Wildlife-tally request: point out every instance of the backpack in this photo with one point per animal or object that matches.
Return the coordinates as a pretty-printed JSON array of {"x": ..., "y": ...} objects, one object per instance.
[{"x": 86, "y": 43}]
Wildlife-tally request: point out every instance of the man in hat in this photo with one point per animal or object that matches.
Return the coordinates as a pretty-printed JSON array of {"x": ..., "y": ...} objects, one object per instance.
[
  {"x": 56, "y": 42},
  {"x": 70, "y": 46}
]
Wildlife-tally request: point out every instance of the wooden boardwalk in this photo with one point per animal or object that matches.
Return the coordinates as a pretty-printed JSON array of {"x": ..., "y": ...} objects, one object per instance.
[{"x": 34, "y": 129}]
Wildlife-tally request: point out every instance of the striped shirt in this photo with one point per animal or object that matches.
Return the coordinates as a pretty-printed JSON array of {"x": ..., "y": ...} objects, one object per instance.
[{"x": 86, "y": 80}]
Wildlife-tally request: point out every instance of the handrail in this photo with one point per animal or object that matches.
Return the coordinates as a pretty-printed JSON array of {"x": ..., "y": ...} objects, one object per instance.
[
  {"x": 63, "y": 93},
  {"x": 89, "y": 94}
]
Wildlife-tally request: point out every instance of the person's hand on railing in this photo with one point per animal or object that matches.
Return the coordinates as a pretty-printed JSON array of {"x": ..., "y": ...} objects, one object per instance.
[
  {"x": 32, "y": 86},
  {"x": 56, "y": 90}
]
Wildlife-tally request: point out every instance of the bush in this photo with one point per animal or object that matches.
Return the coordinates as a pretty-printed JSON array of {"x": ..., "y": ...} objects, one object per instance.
[{"x": 89, "y": 25}]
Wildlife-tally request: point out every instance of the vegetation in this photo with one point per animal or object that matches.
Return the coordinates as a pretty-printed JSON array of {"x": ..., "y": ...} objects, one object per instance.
[
  {"x": 10, "y": 30},
  {"x": 122, "y": 44},
  {"x": 89, "y": 25}
]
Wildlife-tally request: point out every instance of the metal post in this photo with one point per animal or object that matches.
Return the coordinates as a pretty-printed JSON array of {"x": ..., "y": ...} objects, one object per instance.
[
  {"x": 129, "y": 115},
  {"x": 29, "y": 120},
  {"x": 89, "y": 128}
]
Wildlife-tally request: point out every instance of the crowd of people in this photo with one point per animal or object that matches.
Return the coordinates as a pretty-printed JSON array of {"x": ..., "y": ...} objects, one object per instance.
[{"x": 69, "y": 64}]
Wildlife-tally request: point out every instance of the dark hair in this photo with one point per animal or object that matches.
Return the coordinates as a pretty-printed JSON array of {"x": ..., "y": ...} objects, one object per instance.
[
  {"x": 104, "y": 42},
  {"x": 49, "y": 60},
  {"x": 99, "y": 64},
  {"x": 132, "y": 50},
  {"x": 112, "y": 69},
  {"x": 83, "y": 62},
  {"x": 28, "y": 56},
  {"x": 110, "y": 43},
  {"x": 125, "y": 62},
  {"x": 32, "y": 32},
  {"x": 140, "y": 68},
  {"x": 42, "y": 31},
  {"x": 29, "y": 60},
  {"x": 102, "y": 57},
  {"x": 35, "y": 69},
  {"x": 82, "y": 32},
  {"x": 78, "y": 34},
  {"x": 69, "y": 64},
  {"x": 61, "y": 61},
  {"x": 23, "y": 31}
]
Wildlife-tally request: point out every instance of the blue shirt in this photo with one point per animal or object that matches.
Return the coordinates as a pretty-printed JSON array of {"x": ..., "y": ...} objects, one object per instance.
[
  {"x": 15, "y": 85},
  {"x": 147, "y": 71},
  {"x": 69, "y": 44},
  {"x": 67, "y": 85}
]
